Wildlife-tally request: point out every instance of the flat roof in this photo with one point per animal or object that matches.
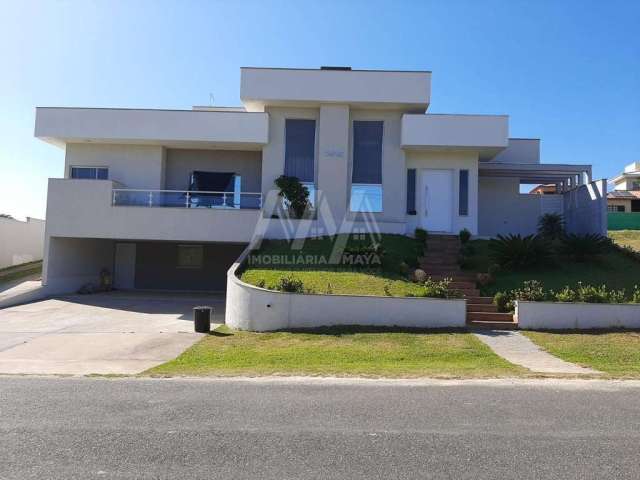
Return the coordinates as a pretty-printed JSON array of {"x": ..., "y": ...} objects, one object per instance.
[{"x": 338, "y": 69}]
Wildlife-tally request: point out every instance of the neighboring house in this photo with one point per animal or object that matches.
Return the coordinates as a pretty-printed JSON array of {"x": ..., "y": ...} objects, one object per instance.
[
  {"x": 625, "y": 196},
  {"x": 20, "y": 242},
  {"x": 549, "y": 189},
  {"x": 132, "y": 198},
  {"x": 623, "y": 202}
]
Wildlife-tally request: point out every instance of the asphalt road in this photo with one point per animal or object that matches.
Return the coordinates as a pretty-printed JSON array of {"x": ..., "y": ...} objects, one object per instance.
[{"x": 157, "y": 429}]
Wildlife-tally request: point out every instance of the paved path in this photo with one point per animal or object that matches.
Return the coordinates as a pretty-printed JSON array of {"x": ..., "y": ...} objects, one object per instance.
[
  {"x": 122, "y": 333},
  {"x": 85, "y": 428},
  {"x": 518, "y": 349}
]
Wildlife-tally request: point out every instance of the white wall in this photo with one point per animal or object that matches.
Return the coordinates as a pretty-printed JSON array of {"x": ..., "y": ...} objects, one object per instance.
[
  {"x": 258, "y": 309},
  {"x": 456, "y": 161},
  {"x": 74, "y": 262},
  {"x": 520, "y": 150},
  {"x": 135, "y": 166},
  {"x": 576, "y": 316},
  {"x": 585, "y": 208},
  {"x": 21, "y": 242}
]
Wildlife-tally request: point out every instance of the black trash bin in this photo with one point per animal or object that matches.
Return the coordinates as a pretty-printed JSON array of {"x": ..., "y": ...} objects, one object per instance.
[{"x": 202, "y": 319}]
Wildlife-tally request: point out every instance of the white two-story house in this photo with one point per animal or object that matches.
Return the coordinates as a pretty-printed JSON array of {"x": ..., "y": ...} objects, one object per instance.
[{"x": 167, "y": 199}]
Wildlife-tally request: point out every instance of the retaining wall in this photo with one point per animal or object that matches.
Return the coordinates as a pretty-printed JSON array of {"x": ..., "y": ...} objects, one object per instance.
[{"x": 576, "y": 316}]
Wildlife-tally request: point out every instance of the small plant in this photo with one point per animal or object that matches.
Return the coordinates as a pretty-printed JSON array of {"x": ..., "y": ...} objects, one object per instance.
[
  {"x": 419, "y": 275},
  {"x": 260, "y": 283},
  {"x": 635, "y": 296},
  {"x": 329, "y": 290},
  {"x": 387, "y": 290},
  {"x": 290, "y": 284},
  {"x": 567, "y": 294},
  {"x": 504, "y": 302},
  {"x": 421, "y": 235},
  {"x": 531, "y": 291},
  {"x": 484, "y": 279},
  {"x": 439, "y": 289},
  {"x": 551, "y": 226},
  {"x": 296, "y": 194},
  {"x": 465, "y": 236},
  {"x": 591, "y": 294},
  {"x": 583, "y": 247},
  {"x": 516, "y": 252}
]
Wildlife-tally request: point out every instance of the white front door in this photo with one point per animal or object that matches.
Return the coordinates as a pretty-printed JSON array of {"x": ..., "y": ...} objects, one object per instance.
[{"x": 436, "y": 204}]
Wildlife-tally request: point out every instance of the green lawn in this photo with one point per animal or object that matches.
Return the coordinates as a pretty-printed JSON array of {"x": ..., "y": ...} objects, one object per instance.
[
  {"x": 340, "y": 351},
  {"x": 613, "y": 269},
  {"x": 9, "y": 274},
  {"x": 629, "y": 238},
  {"x": 615, "y": 353},
  {"x": 327, "y": 278}
]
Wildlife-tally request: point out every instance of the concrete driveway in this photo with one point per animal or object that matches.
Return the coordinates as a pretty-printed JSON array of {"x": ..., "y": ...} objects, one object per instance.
[{"x": 119, "y": 332}]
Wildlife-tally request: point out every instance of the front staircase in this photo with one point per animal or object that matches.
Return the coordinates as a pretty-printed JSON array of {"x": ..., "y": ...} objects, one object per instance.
[{"x": 440, "y": 261}]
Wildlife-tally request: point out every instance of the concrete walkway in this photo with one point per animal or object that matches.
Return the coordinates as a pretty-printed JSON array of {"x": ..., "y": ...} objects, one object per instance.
[{"x": 518, "y": 349}]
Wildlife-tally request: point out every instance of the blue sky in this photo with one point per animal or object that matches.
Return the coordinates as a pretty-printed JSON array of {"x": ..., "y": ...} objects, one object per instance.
[{"x": 565, "y": 71}]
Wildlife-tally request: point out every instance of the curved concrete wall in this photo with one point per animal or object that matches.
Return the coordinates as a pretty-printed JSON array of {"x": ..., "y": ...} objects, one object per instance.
[
  {"x": 576, "y": 316},
  {"x": 257, "y": 309}
]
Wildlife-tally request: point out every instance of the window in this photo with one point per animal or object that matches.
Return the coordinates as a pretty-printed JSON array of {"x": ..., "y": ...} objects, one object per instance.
[
  {"x": 615, "y": 208},
  {"x": 90, "y": 173},
  {"x": 190, "y": 256},
  {"x": 635, "y": 186},
  {"x": 366, "y": 179},
  {"x": 299, "y": 152},
  {"x": 463, "y": 193},
  {"x": 411, "y": 191}
]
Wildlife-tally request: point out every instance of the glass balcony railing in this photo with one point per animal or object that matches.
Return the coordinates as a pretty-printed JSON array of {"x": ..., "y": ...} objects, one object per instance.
[{"x": 186, "y": 199}]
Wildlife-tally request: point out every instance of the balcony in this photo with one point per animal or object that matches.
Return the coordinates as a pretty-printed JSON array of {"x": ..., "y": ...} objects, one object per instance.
[
  {"x": 102, "y": 209},
  {"x": 123, "y": 197}
]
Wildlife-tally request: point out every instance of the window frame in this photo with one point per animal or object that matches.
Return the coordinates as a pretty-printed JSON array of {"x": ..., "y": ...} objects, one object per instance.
[
  {"x": 314, "y": 184},
  {"x": 466, "y": 210},
  {"x": 353, "y": 152},
  {"x": 96, "y": 168},
  {"x": 179, "y": 265}
]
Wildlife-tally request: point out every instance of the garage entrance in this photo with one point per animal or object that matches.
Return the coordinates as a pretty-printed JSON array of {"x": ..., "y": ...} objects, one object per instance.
[{"x": 184, "y": 266}]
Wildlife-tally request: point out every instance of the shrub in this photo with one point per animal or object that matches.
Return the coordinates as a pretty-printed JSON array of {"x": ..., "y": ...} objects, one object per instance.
[
  {"x": 296, "y": 194},
  {"x": 260, "y": 283},
  {"x": 484, "y": 279},
  {"x": 421, "y": 235},
  {"x": 387, "y": 290},
  {"x": 591, "y": 294},
  {"x": 515, "y": 252},
  {"x": 531, "y": 291},
  {"x": 504, "y": 302},
  {"x": 493, "y": 269},
  {"x": 551, "y": 226},
  {"x": 582, "y": 247},
  {"x": 567, "y": 294},
  {"x": 290, "y": 284},
  {"x": 439, "y": 289},
  {"x": 465, "y": 235}
]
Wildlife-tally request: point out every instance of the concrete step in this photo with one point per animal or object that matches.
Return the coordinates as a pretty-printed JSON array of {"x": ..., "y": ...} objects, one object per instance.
[
  {"x": 492, "y": 325},
  {"x": 489, "y": 317},
  {"x": 441, "y": 267},
  {"x": 481, "y": 307},
  {"x": 463, "y": 285},
  {"x": 479, "y": 300},
  {"x": 439, "y": 260},
  {"x": 454, "y": 277},
  {"x": 468, "y": 292}
]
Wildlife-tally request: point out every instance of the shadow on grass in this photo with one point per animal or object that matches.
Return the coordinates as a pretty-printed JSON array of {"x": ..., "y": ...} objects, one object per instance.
[{"x": 342, "y": 330}]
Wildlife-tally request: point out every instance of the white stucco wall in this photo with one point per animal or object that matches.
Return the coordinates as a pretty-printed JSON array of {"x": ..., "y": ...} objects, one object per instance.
[
  {"x": 455, "y": 161},
  {"x": 134, "y": 166},
  {"x": 21, "y": 242},
  {"x": 74, "y": 262},
  {"x": 578, "y": 316},
  {"x": 258, "y": 309},
  {"x": 585, "y": 208}
]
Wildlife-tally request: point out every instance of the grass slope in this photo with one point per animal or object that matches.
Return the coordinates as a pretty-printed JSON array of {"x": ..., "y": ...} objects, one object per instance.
[
  {"x": 613, "y": 269},
  {"x": 338, "y": 280},
  {"x": 629, "y": 238},
  {"x": 615, "y": 353},
  {"x": 340, "y": 351}
]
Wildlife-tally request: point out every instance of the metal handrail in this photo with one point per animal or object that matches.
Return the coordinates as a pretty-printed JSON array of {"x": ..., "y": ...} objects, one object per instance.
[
  {"x": 180, "y": 191},
  {"x": 189, "y": 194}
]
